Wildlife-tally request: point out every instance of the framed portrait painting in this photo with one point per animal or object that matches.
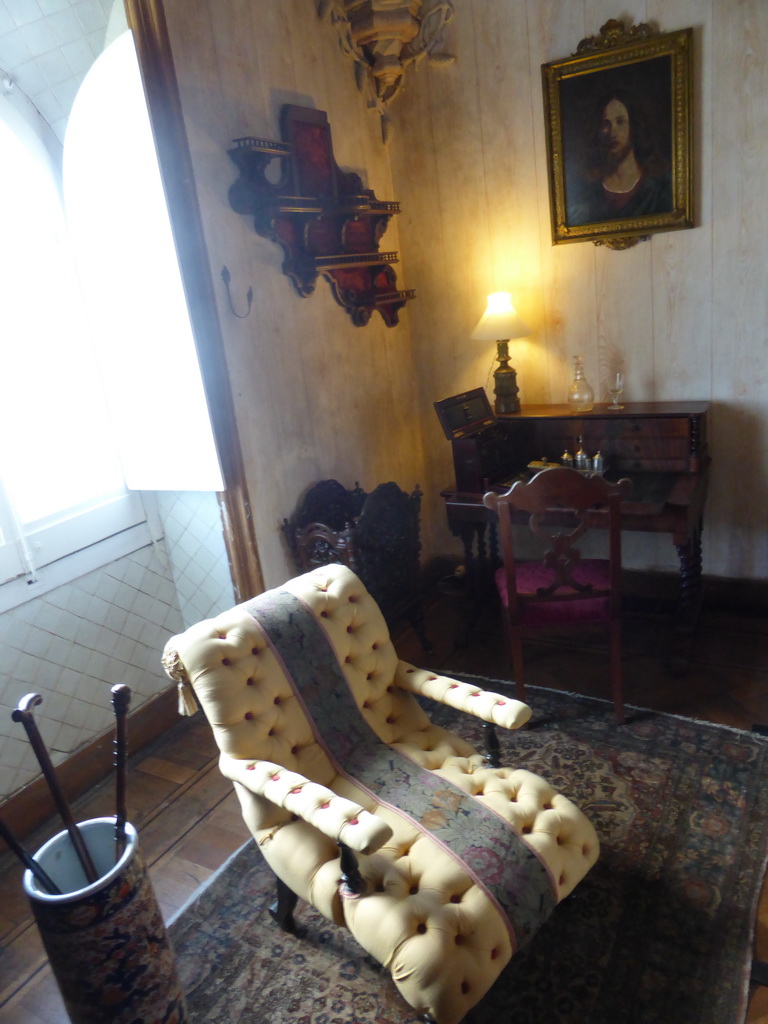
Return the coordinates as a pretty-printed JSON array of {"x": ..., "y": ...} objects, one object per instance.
[{"x": 618, "y": 120}]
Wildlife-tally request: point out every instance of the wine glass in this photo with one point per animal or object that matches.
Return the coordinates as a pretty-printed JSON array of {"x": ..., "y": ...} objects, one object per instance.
[{"x": 616, "y": 388}]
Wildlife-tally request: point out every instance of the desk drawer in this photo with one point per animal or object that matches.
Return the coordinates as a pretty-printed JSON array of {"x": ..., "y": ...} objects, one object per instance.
[{"x": 663, "y": 444}]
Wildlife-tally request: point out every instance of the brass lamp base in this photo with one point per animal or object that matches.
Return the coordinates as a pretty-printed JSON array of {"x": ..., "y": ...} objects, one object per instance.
[{"x": 505, "y": 389}]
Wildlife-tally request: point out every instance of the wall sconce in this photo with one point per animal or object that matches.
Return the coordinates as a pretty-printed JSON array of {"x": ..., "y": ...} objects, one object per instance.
[
  {"x": 500, "y": 323},
  {"x": 385, "y": 37}
]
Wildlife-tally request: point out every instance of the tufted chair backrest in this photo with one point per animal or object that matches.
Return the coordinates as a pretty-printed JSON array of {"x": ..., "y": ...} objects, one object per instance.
[
  {"x": 360, "y": 637},
  {"x": 243, "y": 690}
]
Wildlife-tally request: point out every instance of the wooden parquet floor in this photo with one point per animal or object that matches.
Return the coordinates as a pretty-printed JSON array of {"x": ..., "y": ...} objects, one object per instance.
[{"x": 189, "y": 820}]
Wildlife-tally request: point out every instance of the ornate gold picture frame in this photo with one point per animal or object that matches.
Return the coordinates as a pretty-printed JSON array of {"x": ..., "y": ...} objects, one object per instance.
[{"x": 619, "y": 130}]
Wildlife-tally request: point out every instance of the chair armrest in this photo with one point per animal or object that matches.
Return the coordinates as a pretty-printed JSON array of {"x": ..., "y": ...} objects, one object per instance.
[
  {"x": 340, "y": 819},
  {"x": 491, "y": 707}
]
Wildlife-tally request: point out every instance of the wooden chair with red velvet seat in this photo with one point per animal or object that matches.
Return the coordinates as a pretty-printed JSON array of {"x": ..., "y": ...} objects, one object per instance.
[{"x": 560, "y": 592}]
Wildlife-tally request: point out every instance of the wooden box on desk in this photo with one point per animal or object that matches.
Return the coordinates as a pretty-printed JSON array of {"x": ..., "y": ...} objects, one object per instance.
[{"x": 485, "y": 449}]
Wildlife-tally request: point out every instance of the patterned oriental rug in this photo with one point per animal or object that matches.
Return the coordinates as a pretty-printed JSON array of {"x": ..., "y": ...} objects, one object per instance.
[{"x": 659, "y": 932}]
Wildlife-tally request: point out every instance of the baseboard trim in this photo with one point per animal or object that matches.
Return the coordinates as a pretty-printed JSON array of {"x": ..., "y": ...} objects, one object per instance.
[{"x": 30, "y": 807}]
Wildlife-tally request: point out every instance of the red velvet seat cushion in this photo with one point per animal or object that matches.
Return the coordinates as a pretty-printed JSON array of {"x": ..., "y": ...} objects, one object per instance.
[{"x": 532, "y": 575}]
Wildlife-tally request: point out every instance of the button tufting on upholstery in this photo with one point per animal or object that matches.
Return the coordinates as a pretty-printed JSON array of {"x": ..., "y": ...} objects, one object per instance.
[
  {"x": 248, "y": 716},
  {"x": 225, "y": 661},
  {"x": 424, "y": 898}
]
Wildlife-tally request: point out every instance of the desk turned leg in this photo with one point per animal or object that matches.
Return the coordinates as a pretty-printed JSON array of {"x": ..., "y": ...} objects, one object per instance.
[
  {"x": 691, "y": 597},
  {"x": 691, "y": 589},
  {"x": 476, "y": 561}
]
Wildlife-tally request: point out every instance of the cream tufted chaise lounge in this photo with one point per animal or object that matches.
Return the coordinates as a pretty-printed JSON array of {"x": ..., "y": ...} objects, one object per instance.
[{"x": 423, "y": 912}]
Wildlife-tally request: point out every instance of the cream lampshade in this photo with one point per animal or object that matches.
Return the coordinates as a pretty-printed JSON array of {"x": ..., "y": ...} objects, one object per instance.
[{"x": 501, "y": 323}]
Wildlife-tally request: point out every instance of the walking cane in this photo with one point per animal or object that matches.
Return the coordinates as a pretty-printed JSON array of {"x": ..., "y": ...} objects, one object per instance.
[
  {"x": 28, "y": 860},
  {"x": 121, "y": 699},
  {"x": 23, "y": 714}
]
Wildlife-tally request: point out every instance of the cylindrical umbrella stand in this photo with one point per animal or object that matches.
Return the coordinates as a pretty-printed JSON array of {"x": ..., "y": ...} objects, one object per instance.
[{"x": 106, "y": 941}]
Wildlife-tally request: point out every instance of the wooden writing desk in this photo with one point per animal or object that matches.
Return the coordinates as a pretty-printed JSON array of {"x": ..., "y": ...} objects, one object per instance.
[{"x": 660, "y": 446}]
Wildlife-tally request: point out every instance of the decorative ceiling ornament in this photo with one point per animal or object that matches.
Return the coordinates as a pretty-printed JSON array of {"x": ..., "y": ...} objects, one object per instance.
[{"x": 384, "y": 38}]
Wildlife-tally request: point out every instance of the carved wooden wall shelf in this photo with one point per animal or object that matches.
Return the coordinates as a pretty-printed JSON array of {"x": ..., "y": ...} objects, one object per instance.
[{"x": 321, "y": 216}]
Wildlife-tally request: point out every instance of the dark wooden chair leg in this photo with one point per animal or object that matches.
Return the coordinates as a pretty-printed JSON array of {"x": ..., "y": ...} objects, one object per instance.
[
  {"x": 352, "y": 882},
  {"x": 492, "y": 746},
  {"x": 282, "y": 909}
]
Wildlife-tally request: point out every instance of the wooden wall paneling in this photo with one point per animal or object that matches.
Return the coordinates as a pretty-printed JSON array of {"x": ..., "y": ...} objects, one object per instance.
[
  {"x": 463, "y": 202},
  {"x": 315, "y": 395},
  {"x": 682, "y": 264},
  {"x": 449, "y": 161},
  {"x": 553, "y": 32},
  {"x": 427, "y": 254},
  {"x": 739, "y": 85},
  {"x": 230, "y": 94},
  {"x": 504, "y": 85},
  {"x": 438, "y": 242}
]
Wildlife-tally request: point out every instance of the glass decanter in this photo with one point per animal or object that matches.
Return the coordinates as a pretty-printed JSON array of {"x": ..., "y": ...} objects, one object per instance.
[{"x": 581, "y": 397}]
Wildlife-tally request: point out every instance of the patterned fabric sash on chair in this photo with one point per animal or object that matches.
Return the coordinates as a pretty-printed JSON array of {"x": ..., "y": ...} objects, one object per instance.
[{"x": 484, "y": 843}]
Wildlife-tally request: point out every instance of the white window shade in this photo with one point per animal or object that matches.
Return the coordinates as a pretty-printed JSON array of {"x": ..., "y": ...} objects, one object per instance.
[{"x": 124, "y": 250}]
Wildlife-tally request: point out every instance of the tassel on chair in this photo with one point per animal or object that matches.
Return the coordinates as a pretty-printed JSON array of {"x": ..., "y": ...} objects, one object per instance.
[{"x": 187, "y": 702}]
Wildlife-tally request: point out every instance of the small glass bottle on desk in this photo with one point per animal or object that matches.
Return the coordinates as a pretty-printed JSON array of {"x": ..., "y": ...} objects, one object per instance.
[
  {"x": 581, "y": 460},
  {"x": 581, "y": 397}
]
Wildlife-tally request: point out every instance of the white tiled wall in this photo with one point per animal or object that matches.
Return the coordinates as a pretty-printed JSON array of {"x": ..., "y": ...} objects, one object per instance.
[
  {"x": 199, "y": 562},
  {"x": 110, "y": 626},
  {"x": 71, "y": 646}
]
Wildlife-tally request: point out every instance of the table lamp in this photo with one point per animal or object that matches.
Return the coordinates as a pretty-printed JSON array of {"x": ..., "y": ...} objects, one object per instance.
[{"x": 500, "y": 323}]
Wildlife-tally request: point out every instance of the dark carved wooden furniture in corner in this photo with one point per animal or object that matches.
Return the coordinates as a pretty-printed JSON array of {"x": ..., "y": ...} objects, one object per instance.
[
  {"x": 376, "y": 535},
  {"x": 321, "y": 216}
]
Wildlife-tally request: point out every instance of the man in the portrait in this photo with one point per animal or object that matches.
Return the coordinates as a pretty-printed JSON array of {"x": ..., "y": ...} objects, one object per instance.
[{"x": 625, "y": 174}]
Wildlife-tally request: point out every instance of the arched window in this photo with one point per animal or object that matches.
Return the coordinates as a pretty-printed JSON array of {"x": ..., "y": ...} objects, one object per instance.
[{"x": 94, "y": 334}]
